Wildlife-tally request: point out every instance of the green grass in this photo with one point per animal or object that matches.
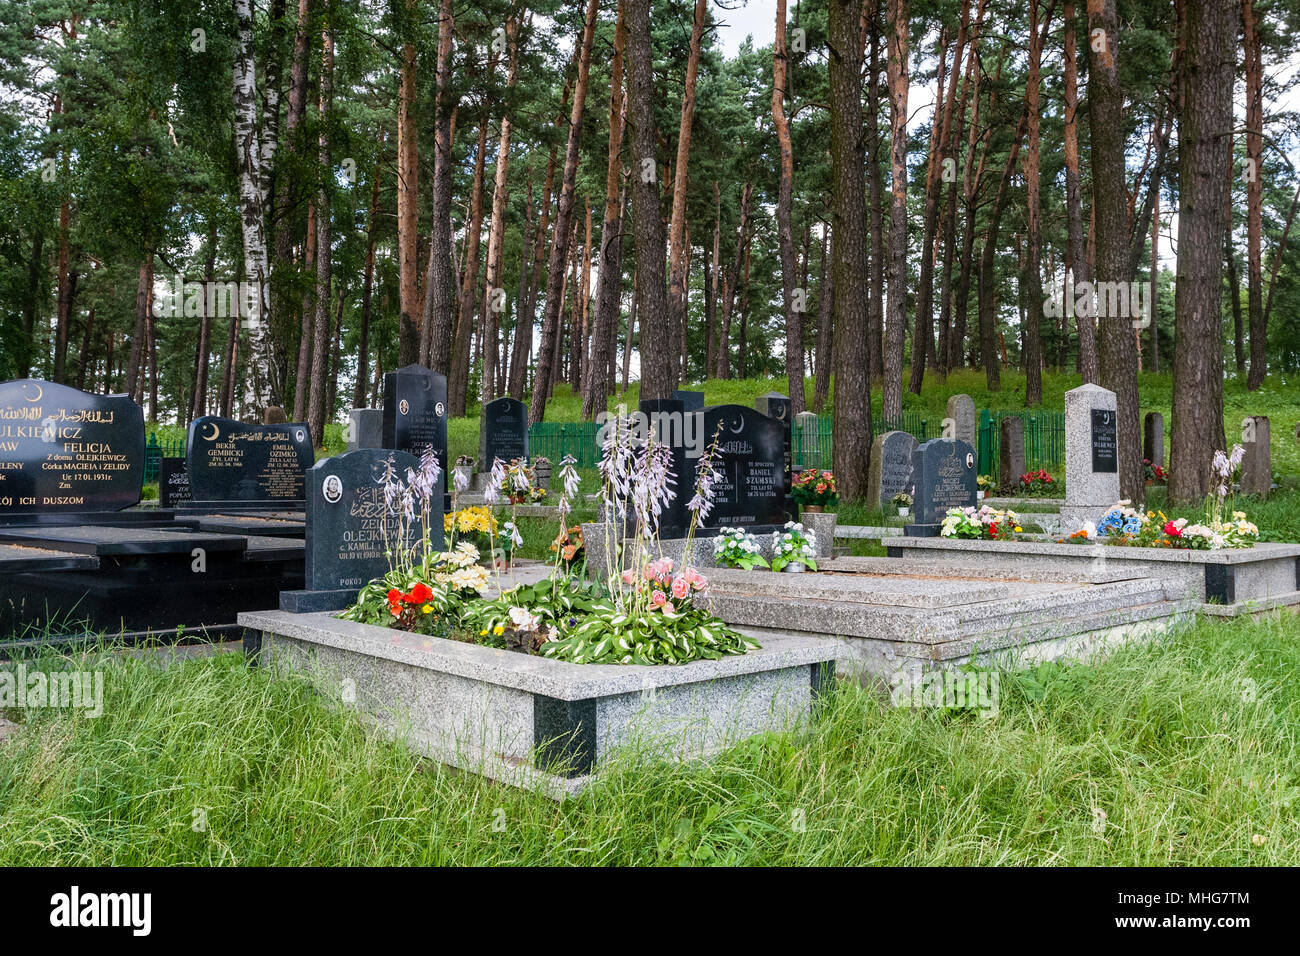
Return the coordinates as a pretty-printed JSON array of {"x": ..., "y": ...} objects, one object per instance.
[{"x": 1189, "y": 748}]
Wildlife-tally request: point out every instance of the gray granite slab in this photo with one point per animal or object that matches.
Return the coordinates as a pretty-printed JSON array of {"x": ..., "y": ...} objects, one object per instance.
[
  {"x": 93, "y": 539},
  {"x": 539, "y": 675}
]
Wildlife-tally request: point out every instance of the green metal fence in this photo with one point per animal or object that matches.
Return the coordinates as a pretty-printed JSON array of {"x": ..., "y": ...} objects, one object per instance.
[
  {"x": 554, "y": 440},
  {"x": 155, "y": 451},
  {"x": 1044, "y": 439},
  {"x": 811, "y": 438}
]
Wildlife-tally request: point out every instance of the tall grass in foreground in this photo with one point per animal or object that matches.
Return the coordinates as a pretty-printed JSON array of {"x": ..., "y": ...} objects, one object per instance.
[{"x": 1178, "y": 752}]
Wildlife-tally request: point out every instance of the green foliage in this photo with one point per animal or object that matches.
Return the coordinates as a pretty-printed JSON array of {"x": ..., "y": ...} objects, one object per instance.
[
  {"x": 608, "y": 636},
  {"x": 1187, "y": 744}
]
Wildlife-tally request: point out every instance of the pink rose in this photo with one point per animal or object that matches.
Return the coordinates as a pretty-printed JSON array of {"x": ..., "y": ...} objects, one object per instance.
[
  {"x": 627, "y": 576},
  {"x": 658, "y": 598},
  {"x": 681, "y": 587},
  {"x": 669, "y": 609}
]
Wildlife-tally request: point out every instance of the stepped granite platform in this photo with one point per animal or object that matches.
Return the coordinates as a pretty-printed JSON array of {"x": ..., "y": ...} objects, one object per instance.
[
  {"x": 1226, "y": 582},
  {"x": 137, "y": 580},
  {"x": 537, "y": 723},
  {"x": 889, "y": 616}
]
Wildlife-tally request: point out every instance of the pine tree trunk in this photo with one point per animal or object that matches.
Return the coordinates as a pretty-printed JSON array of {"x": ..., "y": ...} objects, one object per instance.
[
  {"x": 940, "y": 149},
  {"x": 1087, "y": 360},
  {"x": 1033, "y": 350},
  {"x": 408, "y": 196},
  {"x": 657, "y": 364},
  {"x": 1117, "y": 357},
  {"x": 317, "y": 413},
  {"x": 1254, "y": 196},
  {"x": 439, "y": 283},
  {"x": 793, "y": 317},
  {"x": 876, "y": 300},
  {"x": 852, "y": 405},
  {"x": 825, "y": 327},
  {"x": 367, "y": 286},
  {"x": 1204, "y": 135},
  {"x": 896, "y": 302},
  {"x": 458, "y": 380},
  {"x": 302, "y": 386}
]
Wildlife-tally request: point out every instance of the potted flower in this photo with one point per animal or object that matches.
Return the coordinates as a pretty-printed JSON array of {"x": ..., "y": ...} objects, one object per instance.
[
  {"x": 984, "y": 484},
  {"x": 736, "y": 548},
  {"x": 794, "y": 549},
  {"x": 903, "y": 502},
  {"x": 1154, "y": 474},
  {"x": 1037, "y": 484},
  {"x": 813, "y": 489}
]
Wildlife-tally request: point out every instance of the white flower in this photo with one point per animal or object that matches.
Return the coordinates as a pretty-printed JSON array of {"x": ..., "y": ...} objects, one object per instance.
[{"x": 523, "y": 620}]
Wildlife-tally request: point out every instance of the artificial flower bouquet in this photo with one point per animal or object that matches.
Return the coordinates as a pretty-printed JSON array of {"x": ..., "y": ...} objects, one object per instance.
[
  {"x": 737, "y": 548},
  {"x": 814, "y": 488},
  {"x": 795, "y": 547},
  {"x": 1037, "y": 484},
  {"x": 985, "y": 523}
]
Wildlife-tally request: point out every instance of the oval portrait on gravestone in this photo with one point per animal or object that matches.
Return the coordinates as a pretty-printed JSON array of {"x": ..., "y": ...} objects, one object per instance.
[
  {"x": 332, "y": 489},
  {"x": 404, "y": 406},
  {"x": 441, "y": 409},
  {"x": 970, "y": 460},
  {"x": 300, "y": 436}
]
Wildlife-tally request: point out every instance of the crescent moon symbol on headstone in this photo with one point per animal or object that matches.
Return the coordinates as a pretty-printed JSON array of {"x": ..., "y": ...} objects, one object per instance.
[
  {"x": 216, "y": 432},
  {"x": 40, "y": 393}
]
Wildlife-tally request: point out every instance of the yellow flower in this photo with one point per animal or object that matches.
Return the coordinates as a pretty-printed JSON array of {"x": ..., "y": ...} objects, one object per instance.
[
  {"x": 1018, "y": 528},
  {"x": 482, "y": 632},
  {"x": 498, "y": 630},
  {"x": 426, "y": 609}
]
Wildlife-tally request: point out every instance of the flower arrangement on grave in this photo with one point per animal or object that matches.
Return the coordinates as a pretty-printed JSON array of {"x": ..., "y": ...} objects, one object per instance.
[
  {"x": 1154, "y": 474},
  {"x": 521, "y": 483},
  {"x": 794, "y": 547},
  {"x": 986, "y": 483},
  {"x": 475, "y": 523},
  {"x": 417, "y": 593},
  {"x": 814, "y": 488},
  {"x": 902, "y": 501},
  {"x": 1037, "y": 484},
  {"x": 568, "y": 546},
  {"x": 737, "y": 548},
  {"x": 649, "y": 614},
  {"x": 986, "y": 523}
]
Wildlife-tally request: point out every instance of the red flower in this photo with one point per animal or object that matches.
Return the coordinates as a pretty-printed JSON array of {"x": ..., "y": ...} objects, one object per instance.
[
  {"x": 1172, "y": 530},
  {"x": 419, "y": 594},
  {"x": 394, "y": 596}
]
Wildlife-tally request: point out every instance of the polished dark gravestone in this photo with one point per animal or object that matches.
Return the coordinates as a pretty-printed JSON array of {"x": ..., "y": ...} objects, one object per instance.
[
  {"x": 236, "y": 465},
  {"x": 669, "y": 422},
  {"x": 415, "y": 413},
  {"x": 778, "y": 406},
  {"x": 173, "y": 482},
  {"x": 752, "y": 450},
  {"x": 891, "y": 467},
  {"x": 944, "y": 476},
  {"x": 65, "y": 452},
  {"x": 350, "y": 527},
  {"x": 504, "y": 432},
  {"x": 691, "y": 401}
]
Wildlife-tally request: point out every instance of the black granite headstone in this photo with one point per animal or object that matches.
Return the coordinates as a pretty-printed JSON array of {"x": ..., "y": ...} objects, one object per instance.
[
  {"x": 667, "y": 421},
  {"x": 504, "y": 432},
  {"x": 751, "y": 458},
  {"x": 1105, "y": 442},
  {"x": 691, "y": 401},
  {"x": 891, "y": 466},
  {"x": 778, "y": 406},
  {"x": 944, "y": 476},
  {"x": 347, "y": 518},
  {"x": 230, "y": 461},
  {"x": 415, "y": 412},
  {"x": 63, "y": 450},
  {"x": 173, "y": 482}
]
